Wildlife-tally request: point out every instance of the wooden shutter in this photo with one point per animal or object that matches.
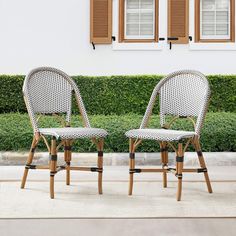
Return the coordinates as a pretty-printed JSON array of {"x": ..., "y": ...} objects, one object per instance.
[
  {"x": 178, "y": 20},
  {"x": 101, "y": 21}
]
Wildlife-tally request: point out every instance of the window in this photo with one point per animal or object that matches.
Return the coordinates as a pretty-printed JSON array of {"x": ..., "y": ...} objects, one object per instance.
[
  {"x": 138, "y": 21},
  {"x": 215, "y": 20}
]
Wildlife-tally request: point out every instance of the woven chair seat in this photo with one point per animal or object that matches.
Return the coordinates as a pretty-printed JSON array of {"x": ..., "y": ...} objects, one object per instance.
[
  {"x": 159, "y": 134},
  {"x": 74, "y": 133}
]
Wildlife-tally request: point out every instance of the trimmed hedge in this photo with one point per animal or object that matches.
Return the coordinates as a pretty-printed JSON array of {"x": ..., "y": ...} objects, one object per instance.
[
  {"x": 118, "y": 94},
  {"x": 218, "y": 134}
]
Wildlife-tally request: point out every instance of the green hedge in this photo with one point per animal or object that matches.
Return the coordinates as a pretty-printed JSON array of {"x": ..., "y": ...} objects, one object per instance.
[
  {"x": 118, "y": 94},
  {"x": 218, "y": 134}
]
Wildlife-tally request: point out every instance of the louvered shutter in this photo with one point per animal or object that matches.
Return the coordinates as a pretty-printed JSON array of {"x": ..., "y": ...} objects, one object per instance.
[
  {"x": 178, "y": 20},
  {"x": 101, "y": 21}
]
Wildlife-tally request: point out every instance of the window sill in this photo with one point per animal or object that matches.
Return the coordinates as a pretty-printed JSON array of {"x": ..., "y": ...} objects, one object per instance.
[
  {"x": 136, "y": 46},
  {"x": 212, "y": 46}
]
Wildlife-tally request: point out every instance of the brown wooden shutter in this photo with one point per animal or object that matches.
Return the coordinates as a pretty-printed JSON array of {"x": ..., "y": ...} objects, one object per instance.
[
  {"x": 178, "y": 20},
  {"x": 101, "y": 21}
]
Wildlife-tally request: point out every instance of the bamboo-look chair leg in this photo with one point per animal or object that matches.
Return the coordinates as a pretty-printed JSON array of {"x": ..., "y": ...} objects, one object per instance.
[
  {"x": 67, "y": 158},
  {"x": 29, "y": 161},
  {"x": 203, "y": 164},
  {"x": 179, "y": 169},
  {"x": 100, "y": 164},
  {"x": 53, "y": 165},
  {"x": 131, "y": 165},
  {"x": 164, "y": 160}
]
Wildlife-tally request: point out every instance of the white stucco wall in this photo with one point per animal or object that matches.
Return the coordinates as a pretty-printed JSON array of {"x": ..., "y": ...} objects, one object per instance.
[{"x": 56, "y": 33}]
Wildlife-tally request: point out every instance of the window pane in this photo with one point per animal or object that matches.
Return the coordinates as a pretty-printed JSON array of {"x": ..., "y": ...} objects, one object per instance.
[
  {"x": 132, "y": 29},
  {"x": 132, "y": 18},
  {"x": 146, "y": 29},
  {"x": 132, "y": 4},
  {"x": 222, "y": 4},
  {"x": 147, "y": 4},
  {"x": 222, "y": 16},
  {"x": 208, "y": 4},
  {"x": 208, "y": 29},
  {"x": 222, "y": 29},
  {"x": 146, "y": 17},
  {"x": 208, "y": 16}
]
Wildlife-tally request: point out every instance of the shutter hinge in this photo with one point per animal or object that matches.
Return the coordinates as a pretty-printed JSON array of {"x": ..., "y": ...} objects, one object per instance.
[
  {"x": 172, "y": 39},
  {"x": 113, "y": 38},
  {"x": 93, "y": 46},
  {"x": 161, "y": 39},
  {"x": 190, "y": 38}
]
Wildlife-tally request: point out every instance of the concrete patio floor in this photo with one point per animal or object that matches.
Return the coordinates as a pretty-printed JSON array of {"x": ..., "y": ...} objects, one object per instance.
[
  {"x": 119, "y": 227},
  {"x": 152, "y": 209},
  {"x": 80, "y": 200}
]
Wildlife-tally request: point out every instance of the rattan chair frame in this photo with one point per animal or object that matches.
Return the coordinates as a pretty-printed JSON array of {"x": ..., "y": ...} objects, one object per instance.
[{"x": 178, "y": 146}]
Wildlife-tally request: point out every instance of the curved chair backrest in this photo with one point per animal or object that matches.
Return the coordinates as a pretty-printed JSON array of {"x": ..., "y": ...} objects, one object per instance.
[
  {"x": 182, "y": 93},
  {"x": 48, "y": 90}
]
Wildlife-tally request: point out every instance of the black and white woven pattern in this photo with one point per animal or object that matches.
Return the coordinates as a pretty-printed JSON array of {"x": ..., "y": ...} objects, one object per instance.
[
  {"x": 159, "y": 134},
  {"x": 74, "y": 133},
  {"x": 48, "y": 90},
  {"x": 182, "y": 93}
]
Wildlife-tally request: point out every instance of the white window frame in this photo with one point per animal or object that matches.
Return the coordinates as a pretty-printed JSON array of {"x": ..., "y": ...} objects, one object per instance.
[
  {"x": 139, "y": 11},
  {"x": 225, "y": 37},
  {"x": 203, "y": 46},
  {"x": 141, "y": 46}
]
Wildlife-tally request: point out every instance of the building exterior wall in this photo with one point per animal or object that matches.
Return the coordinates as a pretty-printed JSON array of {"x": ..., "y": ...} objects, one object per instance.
[{"x": 56, "y": 33}]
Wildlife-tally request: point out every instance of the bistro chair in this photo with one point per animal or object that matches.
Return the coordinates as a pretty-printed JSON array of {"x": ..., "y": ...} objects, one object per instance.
[
  {"x": 49, "y": 91},
  {"x": 184, "y": 95}
]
